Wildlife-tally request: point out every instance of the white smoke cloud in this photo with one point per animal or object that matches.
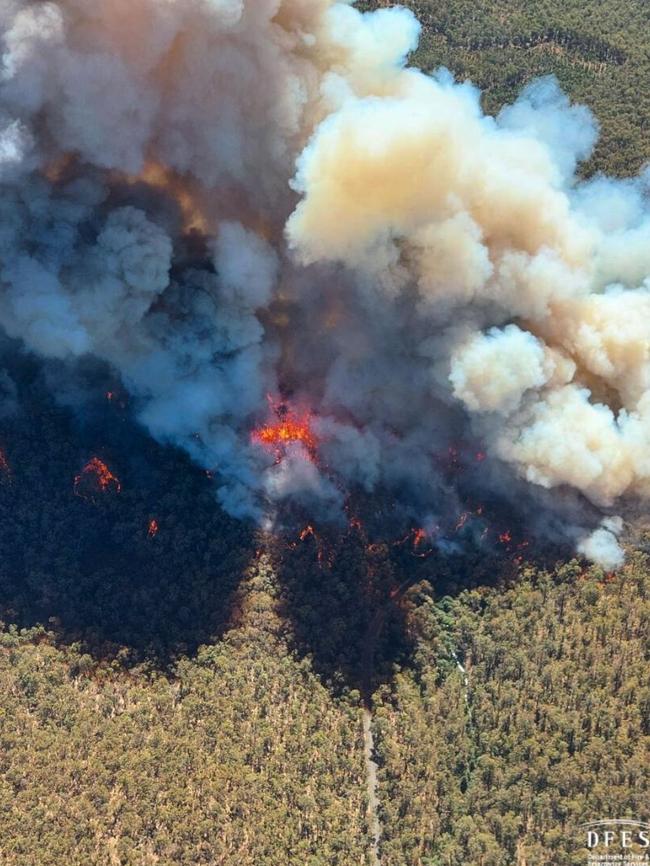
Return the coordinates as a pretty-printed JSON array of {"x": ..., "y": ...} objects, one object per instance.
[
  {"x": 493, "y": 371},
  {"x": 224, "y": 199},
  {"x": 602, "y": 545}
]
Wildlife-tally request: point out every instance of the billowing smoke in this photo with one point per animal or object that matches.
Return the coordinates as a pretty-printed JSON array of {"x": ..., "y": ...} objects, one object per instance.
[{"x": 257, "y": 214}]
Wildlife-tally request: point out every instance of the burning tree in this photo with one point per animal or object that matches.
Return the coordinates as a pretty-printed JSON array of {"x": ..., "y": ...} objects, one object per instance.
[
  {"x": 95, "y": 478},
  {"x": 286, "y": 428}
]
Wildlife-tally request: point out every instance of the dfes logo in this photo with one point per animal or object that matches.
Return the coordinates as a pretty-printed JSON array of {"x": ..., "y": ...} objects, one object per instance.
[{"x": 617, "y": 833}]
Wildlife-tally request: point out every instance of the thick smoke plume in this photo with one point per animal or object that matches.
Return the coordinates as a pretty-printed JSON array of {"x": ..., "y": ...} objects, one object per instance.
[{"x": 228, "y": 199}]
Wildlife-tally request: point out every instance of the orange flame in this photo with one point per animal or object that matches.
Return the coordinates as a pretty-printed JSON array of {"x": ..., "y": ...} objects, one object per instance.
[
  {"x": 321, "y": 550},
  {"x": 153, "y": 528},
  {"x": 95, "y": 477},
  {"x": 288, "y": 428},
  {"x": 284, "y": 432},
  {"x": 419, "y": 537}
]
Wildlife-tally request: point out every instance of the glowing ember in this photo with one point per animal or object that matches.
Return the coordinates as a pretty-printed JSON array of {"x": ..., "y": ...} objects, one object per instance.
[
  {"x": 323, "y": 555},
  {"x": 153, "y": 528},
  {"x": 5, "y": 469},
  {"x": 419, "y": 537},
  {"x": 505, "y": 537},
  {"x": 287, "y": 429},
  {"x": 95, "y": 477}
]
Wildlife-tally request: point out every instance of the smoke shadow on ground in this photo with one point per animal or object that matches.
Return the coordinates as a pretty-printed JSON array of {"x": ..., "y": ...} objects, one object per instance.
[
  {"x": 343, "y": 612},
  {"x": 92, "y": 567},
  {"x": 348, "y": 599}
]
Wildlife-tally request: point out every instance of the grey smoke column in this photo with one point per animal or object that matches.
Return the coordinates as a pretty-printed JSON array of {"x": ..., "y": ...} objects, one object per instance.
[{"x": 413, "y": 272}]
